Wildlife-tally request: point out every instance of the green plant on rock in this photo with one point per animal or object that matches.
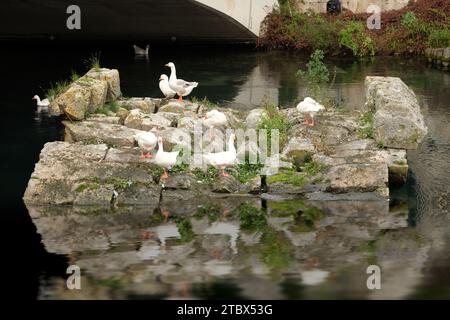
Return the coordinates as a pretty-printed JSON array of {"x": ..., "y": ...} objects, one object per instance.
[
  {"x": 119, "y": 183},
  {"x": 273, "y": 119},
  {"x": 316, "y": 74},
  {"x": 180, "y": 168},
  {"x": 366, "y": 126},
  {"x": 246, "y": 171},
  {"x": 74, "y": 76},
  {"x": 108, "y": 108},
  {"x": 204, "y": 102},
  {"x": 312, "y": 168},
  {"x": 57, "y": 88},
  {"x": 94, "y": 62},
  {"x": 353, "y": 37},
  {"x": 206, "y": 176},
  {"x": 289, "y": 177}
]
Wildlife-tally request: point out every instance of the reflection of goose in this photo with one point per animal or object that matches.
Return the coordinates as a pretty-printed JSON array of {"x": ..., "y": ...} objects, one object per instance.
[
  {"x": 165, "y": 88},
  {"x": 141, "y": 52},
  {"x": 314, "y": 277},
  {"x": 181, "y": 87},
  {"x": 164, "y": 232},
  {"x": 225, "y": 228},
  {"x": 164, "y": 159},
  {"x": 222, "y": 159},
  {"x": 41, "y": 103},
  {"x": 309, "y": 106},
  {"x": 147, "y": 142}
]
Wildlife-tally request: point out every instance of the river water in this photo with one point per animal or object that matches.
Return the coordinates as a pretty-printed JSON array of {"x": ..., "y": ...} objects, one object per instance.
[{"x": 294, "y": 250}]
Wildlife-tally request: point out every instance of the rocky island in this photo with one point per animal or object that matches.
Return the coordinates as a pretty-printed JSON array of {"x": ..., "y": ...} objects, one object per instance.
[{"x": 348, "y": 155}]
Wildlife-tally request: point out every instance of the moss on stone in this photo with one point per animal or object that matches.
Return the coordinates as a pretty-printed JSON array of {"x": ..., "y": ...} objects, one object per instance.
[{"x": 289, "y": 177}]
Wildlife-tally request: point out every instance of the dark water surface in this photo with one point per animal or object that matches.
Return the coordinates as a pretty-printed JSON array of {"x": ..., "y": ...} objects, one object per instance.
[{"x": 302, "y": 250}]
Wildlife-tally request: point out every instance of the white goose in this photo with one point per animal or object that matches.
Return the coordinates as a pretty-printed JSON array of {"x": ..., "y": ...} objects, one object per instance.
[
  {"x": 214, "y": 119},
  {"x": 309, "y": 106},
  {"x": 181, "y": 87},
  {"x": 165, "y": 88},
  {"x": 141, "y": 52},
  {"x": 147, "y": 142},
  {"x": 41, "y": 103},
  {"x": 223, "y": 159},
  {"x": 164, "y": 159}
]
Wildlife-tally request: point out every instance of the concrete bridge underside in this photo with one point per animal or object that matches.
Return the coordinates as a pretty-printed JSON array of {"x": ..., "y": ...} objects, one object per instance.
[{"x": 136, "y": 20}]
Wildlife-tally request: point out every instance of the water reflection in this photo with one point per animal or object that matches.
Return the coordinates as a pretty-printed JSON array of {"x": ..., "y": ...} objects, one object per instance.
[{"x": 290, "y": 248}]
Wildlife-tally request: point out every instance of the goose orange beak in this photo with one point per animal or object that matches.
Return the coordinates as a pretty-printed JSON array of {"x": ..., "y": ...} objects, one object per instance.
[{"x": 166, "y": 65}]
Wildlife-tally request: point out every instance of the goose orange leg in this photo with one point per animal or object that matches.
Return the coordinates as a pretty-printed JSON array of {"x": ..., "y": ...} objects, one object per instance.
[
  {"x": 180, "y": 98},
  {"x": 223, "y": 173},
  {"x": 306, "y": 120}
]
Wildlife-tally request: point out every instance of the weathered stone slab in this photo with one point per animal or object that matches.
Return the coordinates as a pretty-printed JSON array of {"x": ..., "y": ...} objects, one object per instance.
[
  {"x": 111, "y": 76},
  {"x": 146, "y": 105},
  {"x": 358, "y": 178},
  {"x": 90, "y": 132},
  {"x": 136, "y": 119},
  {"x": 84, "y": 95},
  {"x": 397, "y": 122},
  {"x": 73, "y": 173}
]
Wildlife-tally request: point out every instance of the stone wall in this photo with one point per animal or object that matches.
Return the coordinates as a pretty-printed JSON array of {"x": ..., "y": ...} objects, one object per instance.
[{"x": 353, "y": 5}]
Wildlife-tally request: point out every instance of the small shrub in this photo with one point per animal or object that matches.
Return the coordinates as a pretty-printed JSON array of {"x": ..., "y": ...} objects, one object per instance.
[
  {"x": 74, "y": 76},
  {"x": 57, "y": 88},
  {"x": 439, "y": 38},
  {"x": 354, "y": 38},
  {"x": 316, "y": 74},
  {"x": 409, "y": 20},
  {"x": 94, "y": 62}
]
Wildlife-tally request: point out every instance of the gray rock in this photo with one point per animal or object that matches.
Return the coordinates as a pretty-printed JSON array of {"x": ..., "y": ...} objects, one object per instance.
[
  {"x": 358, "y": 178},
  {"x": 111, "y": 76},
  {"x": 137, "y": 119},
  {"x": 85, "y": 95},
  {"x": 397, "y": 122},
  {"x": 173, "y": 117},
  {"x": 90, "y": 132},
  {"x": 253, "y": 118},
  {"x": 146, "y": 105},
  {"x": 103, "y": 118},
  {"x": 122, "y": 113},
  {"x": 77, "y": 174}
]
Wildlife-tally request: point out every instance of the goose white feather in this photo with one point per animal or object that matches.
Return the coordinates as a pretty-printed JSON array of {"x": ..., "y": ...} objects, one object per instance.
[
  {"x": 141, "y": 52},
  {"x": 41, "y": 103},
  {"x": 165, "y": 88},
  {"x": 222, "y": 159},
  {"x": 146, "y": 141},
  {"x": 181, "y": 87},
  {"x": 311, "y": 107},
  {"x": 165, "y": 159},
  {"x": 215, "y": 118}
]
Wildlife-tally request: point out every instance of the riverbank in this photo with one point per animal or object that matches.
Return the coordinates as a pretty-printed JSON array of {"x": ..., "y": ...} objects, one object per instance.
[{"x": 410, "y": 30}]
